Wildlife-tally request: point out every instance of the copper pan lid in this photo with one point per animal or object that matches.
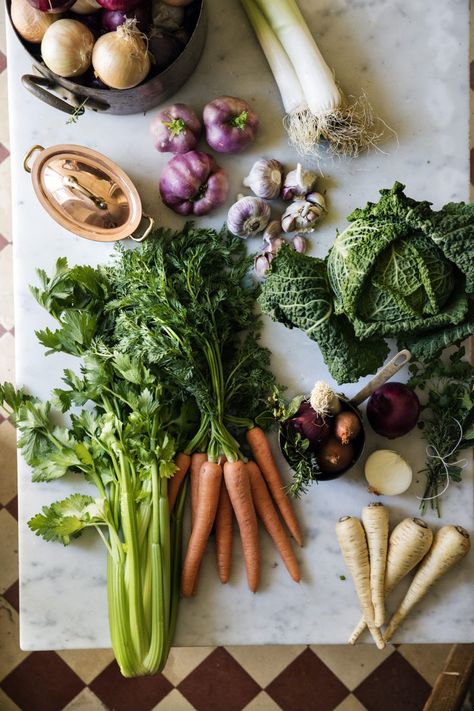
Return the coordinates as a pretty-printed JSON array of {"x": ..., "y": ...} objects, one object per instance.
[{"x": 86, "y": 193}]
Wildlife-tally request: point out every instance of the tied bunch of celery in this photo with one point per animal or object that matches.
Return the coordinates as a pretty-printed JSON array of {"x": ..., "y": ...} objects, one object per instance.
[
  {"x": 315, "y": 108},
  {"x": 170, "y": 361}
]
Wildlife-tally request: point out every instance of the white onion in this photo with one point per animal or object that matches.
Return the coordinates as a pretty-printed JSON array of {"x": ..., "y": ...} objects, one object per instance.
[
  {"x": 387, "y": 472},
  {"x": 29, "y": 22},
  {"x": 120, "y": 59},
  {"x": 86, "y": 7},
  {"x": 67, "y": 48}
]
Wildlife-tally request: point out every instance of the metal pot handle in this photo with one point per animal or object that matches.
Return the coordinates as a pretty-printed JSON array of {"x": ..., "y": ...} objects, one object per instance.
[
  {"x": 35, "y": 86},
  {"x": 140, "y": 237},
  {"x": 384, "y": 374}
]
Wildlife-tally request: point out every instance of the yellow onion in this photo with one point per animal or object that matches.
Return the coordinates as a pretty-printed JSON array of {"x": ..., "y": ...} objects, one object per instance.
[
  {"x": 120, "y": 59},
  {"x": 67, "y": 48},
  {"x": 29, "y": 22},
  {"x": 86, "y": 7}
]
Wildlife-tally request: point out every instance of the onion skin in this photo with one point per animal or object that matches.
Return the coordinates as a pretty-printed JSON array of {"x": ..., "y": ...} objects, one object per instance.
[
  {"x": 30, "y": 23},
  {"x": 220, "y": 117},
  {"x": 193, "y": 184},
  {"x": 66, "y": 48},
  {"x": 120, "y": 59},
  {"x": 86, "y": 7},
  {"x": 310, "y": 425},
  {"x": 111, "y": 19},
  {"x": 334, "y": 457},
  {"x": 393, "y": 410},
  {"x": 123, "y": 5},
  {"x": 176, "y": 129},
  {"x": 51, "y": 6},
  {"x": 346, "y": 426}
]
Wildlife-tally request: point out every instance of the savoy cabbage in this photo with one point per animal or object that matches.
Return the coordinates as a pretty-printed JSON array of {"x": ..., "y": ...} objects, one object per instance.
[{"x": 400, "y": 270}]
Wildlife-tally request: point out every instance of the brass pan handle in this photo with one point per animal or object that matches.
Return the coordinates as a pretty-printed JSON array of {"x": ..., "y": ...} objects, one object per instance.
[
  {"x": 151, "y": 224},
  {"x": 26, "y": 165}
]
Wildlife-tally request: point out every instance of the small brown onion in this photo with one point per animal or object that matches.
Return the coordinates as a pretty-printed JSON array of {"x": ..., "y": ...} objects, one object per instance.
[
  {"x": 86, "y": 7},
  {"x": 121, "y": 59},
  {"x": 67, "y": 48},
  {"x": 334, "y": 457},
  {"x": 29, "y": 22},
  {"x": 346, "y": 426}
]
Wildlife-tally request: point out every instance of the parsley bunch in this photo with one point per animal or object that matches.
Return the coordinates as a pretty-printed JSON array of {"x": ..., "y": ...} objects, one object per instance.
[{"x": 448, "y": 419}]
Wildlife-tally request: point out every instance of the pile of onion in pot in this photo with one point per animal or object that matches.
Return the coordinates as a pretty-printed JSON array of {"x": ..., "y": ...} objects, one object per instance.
[
  {"x": 333, "y": 429},
  {"x": 106, "y": 43}
]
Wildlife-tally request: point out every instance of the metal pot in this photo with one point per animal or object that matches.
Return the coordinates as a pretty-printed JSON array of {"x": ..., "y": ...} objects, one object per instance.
[
  {"x": 87, "y": 193},
  {"x": 384, "y": 374},
  {"x": 151, "y": 92}
]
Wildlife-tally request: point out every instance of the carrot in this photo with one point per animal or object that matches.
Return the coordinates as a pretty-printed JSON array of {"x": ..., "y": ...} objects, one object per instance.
[
  {"x": 266, "y": 511},
  {"x": 197, "y": 460},
  {"x": 263, "y": 456},
  {"x": 182, "y": 462},
  {"x": 353, "y": 545},
  {"x": 237, "y": 482},
  {"x": 375, "y": 522},
  {"x": 210, "y": 478},
  {"x": 409, "y": 542},
  {"x": 224, "y": 518},
  {"x": 450, "y": 544}
]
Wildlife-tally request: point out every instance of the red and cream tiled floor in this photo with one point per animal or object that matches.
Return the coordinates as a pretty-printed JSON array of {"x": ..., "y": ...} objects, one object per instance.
[{"x": 292, "y": 678}]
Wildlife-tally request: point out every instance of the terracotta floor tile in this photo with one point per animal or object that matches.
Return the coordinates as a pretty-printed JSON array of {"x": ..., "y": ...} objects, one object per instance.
[
  {"x": 352, "y": 664},
  {"x": 262, "y": 702},
  {"x": 4, "y": 128},
  {"x": 12, "y": 595},
  {"x": 350, "y": 704},
  {"x": 85, "y": 701},
  {"x": 5, "y": 204},
  {"x": 428, "y": 659},
  {"x": 7, "y": 365},
  {"x": 10, "y": 652},
  {"x": 218, "y": 683},
  {"x": 42, "y": 682},
  {"x": 265, "y": 663},
  {"x": 305, "y": 680},
  {"x": 87, "y": 663},
  {"x": 8, "y": 550},
  {"x": 6, "y": 703},
  {"x": 393, "y": 686},
  {"x": 175, "y": 701},
  {"x": 8, "y": 481},
  {"x": 182, "y": 661},
  {"x": 6, "y": 280},
  {"x": 122, "y": 694}
]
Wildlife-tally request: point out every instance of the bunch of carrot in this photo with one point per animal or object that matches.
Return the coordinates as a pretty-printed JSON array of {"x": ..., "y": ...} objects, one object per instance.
[
  {"x": 248, "y": 489},
  {"x": 377, "y": 563}
]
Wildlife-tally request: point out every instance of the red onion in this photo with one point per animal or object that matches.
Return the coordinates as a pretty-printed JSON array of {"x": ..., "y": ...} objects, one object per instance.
[
  {"x": 165, "y": 48},
  {"x": 230, "y": 124},
  {"x": 175, "y": 129},
  {"x": 310, "y": 425},
  {"x": 52, "y": 5},
  {"x": 111, "y": 19},
  {"x": 193, "y": 184},
  {"x": 124, "y": 5},
  {"x": 393, "y": 410}
]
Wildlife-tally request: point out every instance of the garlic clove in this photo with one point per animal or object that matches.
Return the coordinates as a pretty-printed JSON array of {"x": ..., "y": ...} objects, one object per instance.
[
  {"x": 261, "y": 265},
  {"x": 317, "y": 199},
  {"x": 298, "y": 183},
  {"x": 272, "y": 230},
  {"x": 265, "y": 178},
  {"x": 275, "y": 245},
  {"x": 299, "y": 244},
  {"x": 248, "y": 216}
]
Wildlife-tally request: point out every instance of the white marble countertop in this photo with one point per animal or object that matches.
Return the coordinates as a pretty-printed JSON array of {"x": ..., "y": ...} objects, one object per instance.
[{"x": 411, "y": 57}]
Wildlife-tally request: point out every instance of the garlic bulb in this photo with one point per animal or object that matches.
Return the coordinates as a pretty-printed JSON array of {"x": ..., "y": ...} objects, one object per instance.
[
  {"x": 248, "y": 216},
  {"x": 299, "y": 244},
  {"x": 298, "y": 183},
  {"x": 316, "y": 199},
  {"x": 324, "y": 400},
  {"x": 29, "y": 22},
  {"x": 86, "y": 7},
  {"x": 272, "y": 230},
  {"x": 301, "y": 215},
  {"x": 120, "y": 59},
  {"x": 265, "y": 178},
  {"x": 66, "y": 48}
]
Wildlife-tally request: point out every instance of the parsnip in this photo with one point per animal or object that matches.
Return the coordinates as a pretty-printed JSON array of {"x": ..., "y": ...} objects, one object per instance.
[
  {"x": 375, "y": 521},
  {"x": 450, "y": 545},
  {"x": 353, "y": 544},
  {"x": 409, "y": 542}
]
